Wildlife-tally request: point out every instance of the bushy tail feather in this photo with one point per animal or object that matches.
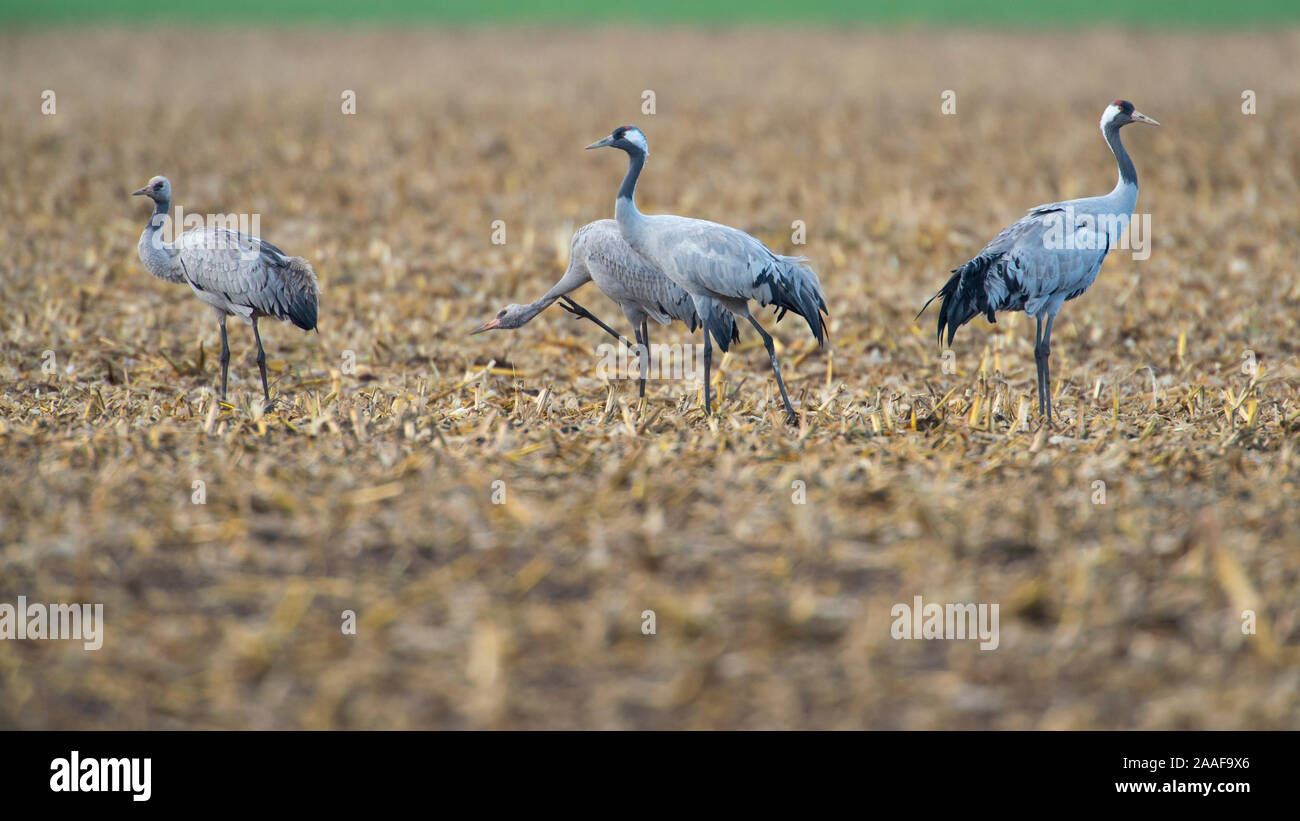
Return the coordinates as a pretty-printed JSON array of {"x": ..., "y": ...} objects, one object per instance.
[
  {"x": 721, "y": 325},
  {"x": 956, "y": 306},
  {"x": 303, "y": 292},
  {"x": 795, "y": 288}
]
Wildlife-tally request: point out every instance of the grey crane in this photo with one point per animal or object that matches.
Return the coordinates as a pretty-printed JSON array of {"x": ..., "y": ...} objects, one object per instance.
[
  {"x": 715, "y": 262},
  {"x": 232, "y": 272},
  {"x": 1046, "y": 258},
  {"x": 598, "y": 253}
]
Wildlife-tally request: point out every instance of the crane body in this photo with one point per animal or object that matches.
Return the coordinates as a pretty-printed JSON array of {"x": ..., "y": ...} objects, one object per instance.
[
  {"x": 716, "y": 263},
  {"x": 598, "y": 253},
  {"x": 1048, "y": 257},
  {"x": 233, "y": 273}
]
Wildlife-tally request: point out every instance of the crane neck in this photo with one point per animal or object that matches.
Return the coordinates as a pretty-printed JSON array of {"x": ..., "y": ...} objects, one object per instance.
[
  {"x": 159, "y": 215},
  {"x": 575, "y": 276},
  {"x": 627, "y": 191},
  {"x": 532, "y": 310},
  {"x": 1127, "y": 173},
  {"x": 159, "y": 256}
]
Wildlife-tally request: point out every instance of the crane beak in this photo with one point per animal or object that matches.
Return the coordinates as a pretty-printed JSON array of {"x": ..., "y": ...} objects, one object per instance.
[
  {"x": 601, "y": 143},
  {"x": 1139, "y": 117},
  {"x": 491, "y": 325},
  {"x": 141, "y": 192}
]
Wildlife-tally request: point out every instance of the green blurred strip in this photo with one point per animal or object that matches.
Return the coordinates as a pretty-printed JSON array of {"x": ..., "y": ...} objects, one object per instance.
[{"x": 1240, "y": 13}]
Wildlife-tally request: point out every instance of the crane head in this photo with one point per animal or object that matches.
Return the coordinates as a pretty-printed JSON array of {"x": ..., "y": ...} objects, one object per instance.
[
  {"x": 506, "y": 318},
  {"x": 159, "y": 189},
  {"x": 628, "y": 138},
  {"x": 1121, "y": 113}
]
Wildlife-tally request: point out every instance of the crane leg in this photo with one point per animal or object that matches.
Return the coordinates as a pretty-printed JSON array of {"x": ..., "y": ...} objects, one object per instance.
[
  {"x": 708, "y": 366},
  {"x": 1047, "y": 364},
  {"x": 225, "y": 354},
  {"x": 776, "y": 366},
  {"x": 261, "y": 363},
  {"x": 644, "y": 358},
  {"x": 1038, "y": 360},
  {"x": 1043, "y": 350},
  {"x": 582, "y": 313}
]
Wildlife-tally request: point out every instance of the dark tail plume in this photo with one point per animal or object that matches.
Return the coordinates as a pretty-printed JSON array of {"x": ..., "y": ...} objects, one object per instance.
[
  {"x": 302, "y": 293},
  {"x": 721, "y": 325},
  {"x": 795, "y": 288},
  {"x": 957, "y": 306}
]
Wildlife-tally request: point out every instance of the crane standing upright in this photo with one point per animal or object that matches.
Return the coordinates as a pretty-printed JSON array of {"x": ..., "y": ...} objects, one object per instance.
[
  {"x": 232, "y": 272},
  {"x": 715, "y": 262},
  {"x": 1046, "y": 258}
]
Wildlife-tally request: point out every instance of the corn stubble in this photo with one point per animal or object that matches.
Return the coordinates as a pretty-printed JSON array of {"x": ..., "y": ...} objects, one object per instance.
[{"x": 370, "y": 488}]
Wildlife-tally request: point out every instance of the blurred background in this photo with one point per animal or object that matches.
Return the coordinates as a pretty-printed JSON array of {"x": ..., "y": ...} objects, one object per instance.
[
  {"x": 370, "y": 489},
  {"x": 725, "y": 12}
]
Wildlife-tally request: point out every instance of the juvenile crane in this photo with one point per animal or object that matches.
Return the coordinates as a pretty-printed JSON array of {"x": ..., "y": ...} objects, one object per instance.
[
  {"x": 599, "y": 254},
  {"x": 1046, "y": 258},
  {"x": 232, "y": 272},
  {"x": 715, "y": 262}
]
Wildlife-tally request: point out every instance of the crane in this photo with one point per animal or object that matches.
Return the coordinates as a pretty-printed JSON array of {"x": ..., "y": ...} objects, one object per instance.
[
  {"x": 715, "y": 262},
  {"x": 1046, "y": 258},
  {"x": 232, "y": 272},
  {"x": 597, "y": 253}
]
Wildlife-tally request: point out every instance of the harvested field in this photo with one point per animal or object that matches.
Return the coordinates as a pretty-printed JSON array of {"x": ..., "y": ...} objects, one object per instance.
[{"x": 371, "y": 489}]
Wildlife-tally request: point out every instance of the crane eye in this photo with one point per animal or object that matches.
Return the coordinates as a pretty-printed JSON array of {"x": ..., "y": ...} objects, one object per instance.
[{"x": 157, "y": 186}]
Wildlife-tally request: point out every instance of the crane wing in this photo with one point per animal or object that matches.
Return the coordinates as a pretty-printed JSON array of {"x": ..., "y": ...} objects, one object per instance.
[
  {"x": 627, "y": 277},
  {"x": 249, "y": 274},
  {"x": 1028, "y": 265},
  {"x": 710, "y": 259}
]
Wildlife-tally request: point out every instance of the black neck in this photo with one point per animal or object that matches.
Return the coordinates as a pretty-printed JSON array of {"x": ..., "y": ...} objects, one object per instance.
[
  {"x": 1127, "y": 173},
  {"x": 160, "y": 208},
  {"x": 635, "y": 162}
]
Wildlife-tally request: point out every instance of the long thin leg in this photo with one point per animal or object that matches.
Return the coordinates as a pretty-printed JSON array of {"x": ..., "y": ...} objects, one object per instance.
[
  {"x": 582, "y": 313},
  {"x": 261, "y": 363},
  {"x": 776, "y": 366},
  {"x": 645, "y": 360},
  {"x": 708, "y": 366},
  {"x": 225, "y": 354},
  {"x": 1041, "y": 364},
  {"x": 1047, "y": 364}
]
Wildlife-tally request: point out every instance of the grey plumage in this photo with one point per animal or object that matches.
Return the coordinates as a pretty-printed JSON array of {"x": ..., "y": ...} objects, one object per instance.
[
  {"x": 598, "y": 253},
  {"x": 234, "y": 273},
  {"x": 1048, "y": 257},
  {"x": 639, "y": 288},
  {"x": 725, "y": 264},
  {"x": 716, "y": 262},
  {"x": 244, "y": 276}
]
